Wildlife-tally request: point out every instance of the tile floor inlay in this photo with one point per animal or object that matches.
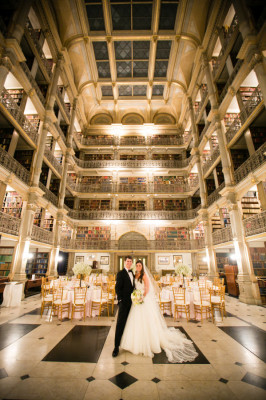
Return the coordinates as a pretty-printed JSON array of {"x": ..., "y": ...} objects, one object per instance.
[
  {"x": 81, "y": 344},
  {"x": 123, "y": 380},
  {"x": 251, "y": 337},
  {"x": 161, "y": 358},
  {"x": 9, "y": 333},
  {"x": 3, "y": 373},
  {"x": 255, "y": 380}
]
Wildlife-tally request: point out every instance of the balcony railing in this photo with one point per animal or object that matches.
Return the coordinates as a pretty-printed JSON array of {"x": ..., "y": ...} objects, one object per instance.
[
  {"x": 133, "y": 215},
  {"x": 204, "y": 131},
  {"x": 41, "y": 235},
  {"x": 133, "y": 163},
  {"x": 51, "y": 158},
  {"x": 38, "y": 47},
  {"x": 251, "y": 164},
  {"x": 215, "y": 195},
  {"x": 49, "y": 195},
  {"x": 230, "y": 79},
  {"x": 222, "y": 235},
  {"x": 32, "y": 81},
  {"x": 9, "y": 224},
  {"x": 131, "y": 244},
  {"x": 12, "y": 165},
  {"x": 255, "y": 225},
  {"x": 60, "y": 98},
  {"x": 254, "y": 100},
  {"x": 133, "y": 187},
  {"x": 210, "y": 162},
  {"x": 61, "y": 133},
  {"x": 167, "y": 140},
  {"x": 18, "y": 115}
]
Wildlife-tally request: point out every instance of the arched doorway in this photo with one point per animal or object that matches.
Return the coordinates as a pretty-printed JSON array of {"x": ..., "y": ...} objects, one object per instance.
[{"x": 132, "y": 242}]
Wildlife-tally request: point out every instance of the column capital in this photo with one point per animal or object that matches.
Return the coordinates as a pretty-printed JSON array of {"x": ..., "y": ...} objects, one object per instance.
[
  {"x": 204, "y": 60},
  {"x": 6, "y": 62}
]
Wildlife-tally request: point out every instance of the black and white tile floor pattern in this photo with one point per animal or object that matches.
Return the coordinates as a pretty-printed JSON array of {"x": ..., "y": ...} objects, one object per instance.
[{"x": 42, "y": 359}]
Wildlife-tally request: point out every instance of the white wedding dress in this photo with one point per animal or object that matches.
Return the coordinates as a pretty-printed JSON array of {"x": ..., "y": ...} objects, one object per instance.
[{"x": 146, "y": 332}]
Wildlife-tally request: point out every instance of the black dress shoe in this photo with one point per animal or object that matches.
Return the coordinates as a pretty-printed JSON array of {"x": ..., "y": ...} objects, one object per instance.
[{"x": 115, "y": 352}]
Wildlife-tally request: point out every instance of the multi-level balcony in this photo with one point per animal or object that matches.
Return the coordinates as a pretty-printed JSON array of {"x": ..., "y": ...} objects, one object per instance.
[
  {"x": 251, "y": 164},
  {"x": 223, "y": 235},
  {"x": 255, "y": 225},
  {"x": 48, "y": 194},
  {"x": 61, "y": 101},
  {"x": 231, "y": 79},
  {"x": 41, "y": 235},
  {"x": 32, "y": 81},
  {"x": 23, "y": 123},
  {"x": 213, "y": 158},
  {"x": 52, "y": 160},
  {"x": 12, "y": 165},
  {"x": 9, "y": 224}
]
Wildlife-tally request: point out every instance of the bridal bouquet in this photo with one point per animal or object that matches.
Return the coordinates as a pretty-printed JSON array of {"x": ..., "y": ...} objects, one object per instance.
[
  {"x": 137, "y": 297},
  {"x": 182, "y": 269},
  {"x": 81, "y": 269}
]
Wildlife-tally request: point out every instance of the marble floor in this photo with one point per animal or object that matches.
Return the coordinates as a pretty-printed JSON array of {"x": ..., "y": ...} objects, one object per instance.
[{"x": 69, "y": 360}]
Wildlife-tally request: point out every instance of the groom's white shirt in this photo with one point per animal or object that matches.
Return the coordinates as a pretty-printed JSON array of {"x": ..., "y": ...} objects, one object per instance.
[{"x": 130, "y": 274}]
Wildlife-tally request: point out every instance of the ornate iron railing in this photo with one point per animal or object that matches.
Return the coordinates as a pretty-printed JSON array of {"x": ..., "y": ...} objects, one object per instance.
[
  {"x": 222, "y": 235},
  {"x": 131, "y": 244},
  {"x": 18, "y": 115},
  {"x": 132, "y": 163},
  {"x": 61, "y": 133},
  {"x": 9, "y": 224},
  {"x": 256, "y": 224},
  {"x": 12, "y": 165},
  {"x": 60, "y": 98},
  {"x": 41, "y": 235},
  {"x": 251, "y": 164},
  {"x": 213, "y": 158},
  {"x": 51, "y": 158},
  {"x": 133, "y": 215},
  {"x": 32, "y": 82},
  {"x": 49, "y": 195},
  {"x": 230, "y": 79},
  {"x": 204, "y": 131},
  {"x": 215, "y": 195},
  {"x": 38, "y": 47}
]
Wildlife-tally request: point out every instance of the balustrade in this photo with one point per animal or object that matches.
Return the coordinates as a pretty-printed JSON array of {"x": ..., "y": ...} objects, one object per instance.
[
  {"x": 210, "y": 162},
  {"x": 251, "y": 164},
  {"x": 41, "y": 235},
  {"x": 222, "y": 235},
  {"x": 9, "y": 224},
  {"x": 61, "y": 133},
  {"x": 133, "y": 215},
  {"x": 61, "y": 100},
  {"x": 166, "y": 140},
  {"x": 230, "y": 79},
  {"x": 18, "y": 115},
  {"x": 51, "y": 158},
  {"x": 215, "y": 195},
  {"x": 204, "y": 131},
  {"x": 132, "y": 163},
  {"x": 48, "y": 194},
  {"x": 255, "y": 225},
  {"x": 12, "y": 165},
  {"x": 32, "y": 82}
]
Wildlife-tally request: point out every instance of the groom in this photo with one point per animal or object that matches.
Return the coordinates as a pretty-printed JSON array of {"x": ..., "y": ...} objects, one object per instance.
[{"x": 125, "y": 283}]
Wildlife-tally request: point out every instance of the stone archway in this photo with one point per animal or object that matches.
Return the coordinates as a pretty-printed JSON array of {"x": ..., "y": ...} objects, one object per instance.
[{"x": 132, "y": 241}]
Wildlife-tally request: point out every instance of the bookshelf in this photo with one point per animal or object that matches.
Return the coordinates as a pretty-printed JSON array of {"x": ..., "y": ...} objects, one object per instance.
[
  {"x": 132, "y": 157},
  {"x": 94, "y": 204},
  {"x": 12, "y": 204},
  {"x": 214, "y": 140},
  {"x": 5, "y": 137},
  {"x": 168, "y": 180},
  {"x": 59, "y": 156},
  {"x": 54, "y": 186},
  {"x": 246, "y": 93},
  {"x": 96, "y": 180},
  {"x": 226, "y": 217},
  {"x": 216, "y": 221},
  {"x": 38, "y": 264},
  {"x": 238, "y": 157},
  {"x": 229, "y": 118},
  {"x": 49, "y": 142},
  {"x": 129, "y": 140},
  {"x": 196, "y": 201},
  {"x": 38, "y": 217},
  {"x": 6, "y": 255},
  {"x": 169, "y": 205},
  {"x": 24, "y": 157},
  {"x": 16, "y": 94},
  {"x": 166, "y": 157},
  {"x": 258, "y": 256},
  {"x": 132, "y": 205},
  {"x": 48, "y": 221},
  {"x": 163, "y": 140},
  {"x": 69, "y": 201},
  {"x": 210, "y": 185},
  {"x": 133, "y": 180},
  {"x": 250, "y": 204},
  {"x": 95, "y": 140},
  {"x": 199, "y": 231},
  {"x": 34, "y": 120},
  {"x": 258, "y": 135},
  {"x": 94, "y": 233},
  {"x": 66, "y": 230},
  {"x": 193, "y": 179},
  {"x": 96, "y": 157},
  {"x": 171, "y": 233}
]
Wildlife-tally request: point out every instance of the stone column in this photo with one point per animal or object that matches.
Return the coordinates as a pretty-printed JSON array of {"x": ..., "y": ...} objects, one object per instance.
[
  {"x": 248, "y": 285},
  {"x": 19, "y": 19},
  {"x": 260, "y": 73},
  {"x": 62, "y": 190},
  {"x": 53, "y": 260},
  {"x": 194, "y": 263},
  {"x": 5, "y": 67}
]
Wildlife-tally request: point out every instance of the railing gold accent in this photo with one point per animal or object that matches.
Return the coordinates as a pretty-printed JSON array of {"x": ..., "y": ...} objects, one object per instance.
[
  {"x": 255, "y": 225},
  {"x": 12, "y": 165},
  {"x": 133, "y": 215},
  {"x": 18, "y": 115},
  {"x": 41, "y": 235},
  {"x": 251, "y": 164},
  {"x": 9, "y": 224},
  {"x": 222, "y": 235}
]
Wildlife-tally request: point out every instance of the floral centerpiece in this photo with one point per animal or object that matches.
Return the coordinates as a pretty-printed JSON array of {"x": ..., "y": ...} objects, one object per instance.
[
  {"x": 182, "y": 269},
  {"x": 137, "y": 297},
  {"x": 81, "y": 269}
]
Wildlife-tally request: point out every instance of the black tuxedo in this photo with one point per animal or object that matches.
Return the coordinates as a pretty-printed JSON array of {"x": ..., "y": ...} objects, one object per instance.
[{"x": 123, "y": 289}]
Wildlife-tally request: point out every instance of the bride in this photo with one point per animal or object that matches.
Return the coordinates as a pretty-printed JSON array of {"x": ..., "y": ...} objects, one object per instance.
[{"x": 146, "y": 331}]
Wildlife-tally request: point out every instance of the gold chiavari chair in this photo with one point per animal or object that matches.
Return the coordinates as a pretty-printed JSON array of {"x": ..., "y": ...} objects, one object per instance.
[
  {"x": 60, "y": 302},
  {"x": 203, "y": 306},
  {"x": 181, "y": 305},
  {"x": 79, "y": 304},
  {"x": 111, "y": 295},
  {"x": 100, "y": 301},
  {"x": 165, "y": 305},
  {"x": 47, "y": 297},
  {"x": 217, "y": 302}
]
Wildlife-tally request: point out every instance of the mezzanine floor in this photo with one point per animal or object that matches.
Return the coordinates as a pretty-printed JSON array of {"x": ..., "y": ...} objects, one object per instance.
[{"x": 72, "y": 360}]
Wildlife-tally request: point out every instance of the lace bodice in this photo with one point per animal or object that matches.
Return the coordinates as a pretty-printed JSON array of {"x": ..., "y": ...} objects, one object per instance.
[{"x": 139, "y": 285}]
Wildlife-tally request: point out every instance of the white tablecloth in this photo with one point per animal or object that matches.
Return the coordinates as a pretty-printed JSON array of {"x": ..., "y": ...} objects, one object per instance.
[{"x": 12, "y": 294}]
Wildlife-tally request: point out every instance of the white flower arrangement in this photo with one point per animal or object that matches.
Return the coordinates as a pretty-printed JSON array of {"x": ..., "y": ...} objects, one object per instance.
[
  {"x": 81, "y": 269},
  {"x": 137, "y": 297},
  {"x": 182, "y": 269}
]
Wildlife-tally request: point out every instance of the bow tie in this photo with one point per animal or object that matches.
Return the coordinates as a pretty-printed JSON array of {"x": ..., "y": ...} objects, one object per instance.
[{"x": 130, "y": 270}]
